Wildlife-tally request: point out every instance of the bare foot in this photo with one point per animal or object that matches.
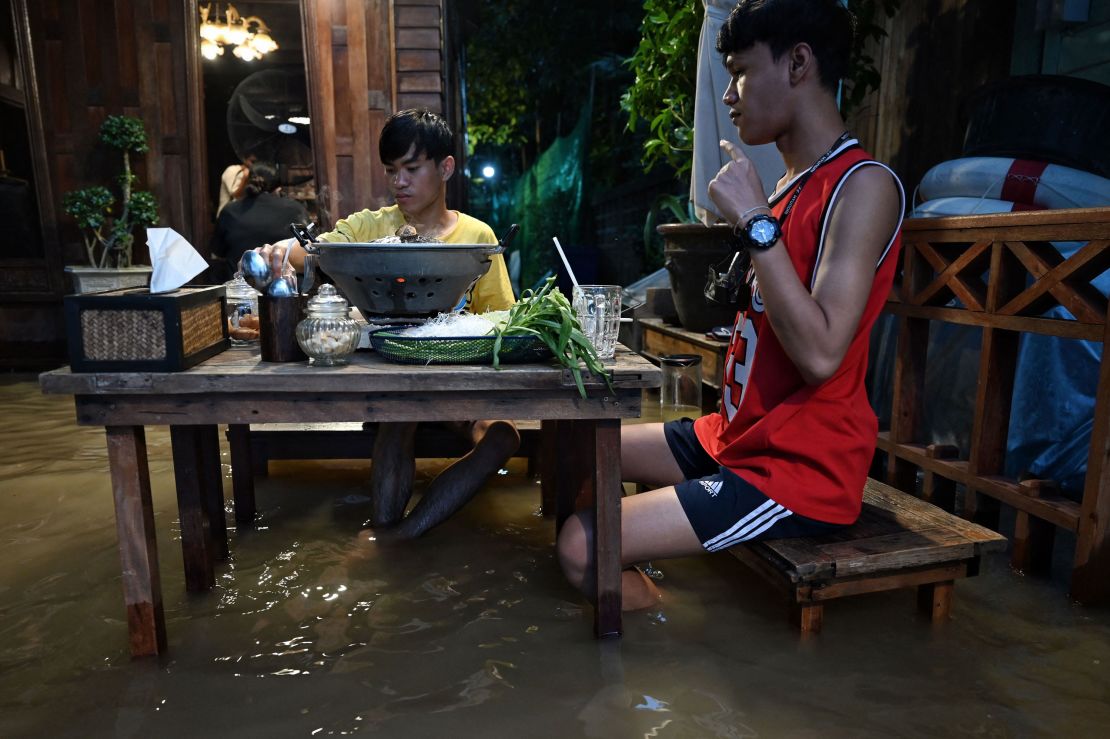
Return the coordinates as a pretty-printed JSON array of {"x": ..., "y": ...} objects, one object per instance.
[{"x": 638, "y": 591}]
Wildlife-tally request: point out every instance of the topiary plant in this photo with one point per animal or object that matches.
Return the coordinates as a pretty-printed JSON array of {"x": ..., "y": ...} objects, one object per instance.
[{"x": 109, "y": 238}]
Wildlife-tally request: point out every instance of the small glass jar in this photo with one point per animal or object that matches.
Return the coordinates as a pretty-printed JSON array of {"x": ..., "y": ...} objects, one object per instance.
[
  {"x": 242, "y": 311},
  {"x": 680, "y": 393},
  {"x": 328, "y": 335}
]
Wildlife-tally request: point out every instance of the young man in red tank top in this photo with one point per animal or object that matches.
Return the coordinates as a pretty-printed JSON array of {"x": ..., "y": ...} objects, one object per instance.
[{"x": 789, "y": 451}]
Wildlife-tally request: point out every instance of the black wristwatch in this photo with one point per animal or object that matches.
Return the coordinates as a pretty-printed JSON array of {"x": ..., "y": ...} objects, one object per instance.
[{"x": 760, "y": 233}]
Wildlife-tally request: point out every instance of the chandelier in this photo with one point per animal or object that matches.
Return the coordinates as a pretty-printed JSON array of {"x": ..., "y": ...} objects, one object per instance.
[{"x": 250, "y": 36}]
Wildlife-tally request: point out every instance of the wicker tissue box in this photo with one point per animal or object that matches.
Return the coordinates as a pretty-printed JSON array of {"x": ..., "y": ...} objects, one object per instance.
[{"x": 132, "y": 330}]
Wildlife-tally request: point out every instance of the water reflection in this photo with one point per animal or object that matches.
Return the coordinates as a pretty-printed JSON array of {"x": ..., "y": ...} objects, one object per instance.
[{"x": 471, "y": 630}]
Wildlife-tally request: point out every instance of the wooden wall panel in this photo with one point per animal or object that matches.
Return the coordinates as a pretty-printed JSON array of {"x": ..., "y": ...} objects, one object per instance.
[
  {"x": 420, "y": 42},
  {"x": 90, "y": 59},
  {"x": 350, "y": 73},
  {"x": 366, "y": 59},
  {"x": 108, "y": 57},
  {"x": 936, "y": 53}
]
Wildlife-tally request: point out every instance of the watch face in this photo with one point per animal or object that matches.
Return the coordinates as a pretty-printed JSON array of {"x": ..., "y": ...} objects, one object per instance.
[{"x": 763, "y": 232}]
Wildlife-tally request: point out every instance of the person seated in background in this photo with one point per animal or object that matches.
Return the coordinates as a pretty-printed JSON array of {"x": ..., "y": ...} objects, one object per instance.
[
  {"x": 262, "y": 215},
  {"x": 233, "y": 182},
  {"x": 415, "y": 149}
]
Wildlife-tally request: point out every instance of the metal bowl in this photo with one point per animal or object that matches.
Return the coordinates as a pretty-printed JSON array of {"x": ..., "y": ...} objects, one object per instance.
[{"x": 404, "y": 279}]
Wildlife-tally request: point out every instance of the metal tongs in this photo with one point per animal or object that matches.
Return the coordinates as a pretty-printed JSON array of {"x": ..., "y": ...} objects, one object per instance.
[{"x": 305, "y": 234}]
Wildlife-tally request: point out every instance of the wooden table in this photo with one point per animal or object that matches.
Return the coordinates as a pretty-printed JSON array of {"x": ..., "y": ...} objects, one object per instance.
[{"x": 236, "y": 388}]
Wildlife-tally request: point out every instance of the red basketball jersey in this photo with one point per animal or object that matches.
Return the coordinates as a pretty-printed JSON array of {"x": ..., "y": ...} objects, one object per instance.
[{"x": 807, "y": 447}]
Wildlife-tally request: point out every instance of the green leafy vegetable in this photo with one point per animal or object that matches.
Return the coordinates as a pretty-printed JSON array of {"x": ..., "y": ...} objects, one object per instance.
[{"x": 548, "y": 315}]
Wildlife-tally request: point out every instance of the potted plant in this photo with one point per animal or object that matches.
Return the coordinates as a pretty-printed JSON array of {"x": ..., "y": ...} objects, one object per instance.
[
  {"x": 109, "y": 235},
  {"x": 662, "y": 95}
]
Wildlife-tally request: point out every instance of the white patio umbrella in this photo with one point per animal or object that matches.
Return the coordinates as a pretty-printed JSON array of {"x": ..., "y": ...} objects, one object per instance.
[{"x": 711, "y": 121}]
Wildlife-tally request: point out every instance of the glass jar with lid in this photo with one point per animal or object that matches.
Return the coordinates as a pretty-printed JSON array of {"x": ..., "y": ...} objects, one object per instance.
[
  {"x": 242, "y": 311},
  {"x": 328, "y": 335}
]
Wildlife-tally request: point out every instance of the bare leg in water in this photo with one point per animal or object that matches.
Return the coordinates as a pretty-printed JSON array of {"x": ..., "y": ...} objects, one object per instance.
[
  {"x": 391, "y": 472},
  {"x": 494, "y": 442}
]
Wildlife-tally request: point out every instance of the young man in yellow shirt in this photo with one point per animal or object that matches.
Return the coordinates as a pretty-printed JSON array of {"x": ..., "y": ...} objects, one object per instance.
[{"x": 415, "y": 148}]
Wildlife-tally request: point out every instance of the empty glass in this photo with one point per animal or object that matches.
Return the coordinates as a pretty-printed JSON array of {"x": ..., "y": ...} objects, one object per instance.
[
  {"x": 598, "y": 308},
  {"x": 680, "y": 393}
]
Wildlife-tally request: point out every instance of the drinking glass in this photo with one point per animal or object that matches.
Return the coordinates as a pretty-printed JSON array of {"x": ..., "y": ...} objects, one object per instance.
[{"x": 598, "y": 308}]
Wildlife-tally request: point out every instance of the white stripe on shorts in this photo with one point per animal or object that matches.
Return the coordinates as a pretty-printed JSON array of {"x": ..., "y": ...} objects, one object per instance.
[
  {"x": 754, "y": 518},
  {"x": 747, "y": 536}
]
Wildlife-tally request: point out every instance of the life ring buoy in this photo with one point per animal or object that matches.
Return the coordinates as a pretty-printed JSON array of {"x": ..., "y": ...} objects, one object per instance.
[
  {"x": 966, "y": 206},
  {"x": 1015, "y": 180}
]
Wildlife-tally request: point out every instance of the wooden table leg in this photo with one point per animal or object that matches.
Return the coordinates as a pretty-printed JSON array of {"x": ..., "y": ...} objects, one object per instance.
[
  {"x": 212, "y": 489},
  {"x": 568, "y": 471},
  {"x": 196, "y": 546},
  {"x": 935, "y": 599},
  {"x": 807, "y": 617},
  {"x": 242, "y": 473},
  {"x": 142, "y": 586},
  {"x": 606, "y": 436}
]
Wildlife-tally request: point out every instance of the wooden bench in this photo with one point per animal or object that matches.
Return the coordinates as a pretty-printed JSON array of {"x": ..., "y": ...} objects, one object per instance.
[
  {"x": 355, "y": 441},
  {"x": 899, "y": 542},
  {"x": 252, "y": 449}
]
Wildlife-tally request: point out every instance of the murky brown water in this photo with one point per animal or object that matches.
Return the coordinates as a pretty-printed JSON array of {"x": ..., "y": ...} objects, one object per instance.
[{"x": 471, "y": 631}]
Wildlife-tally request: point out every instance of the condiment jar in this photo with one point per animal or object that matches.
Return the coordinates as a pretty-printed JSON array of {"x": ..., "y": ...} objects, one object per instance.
[
  {"x": 328, "y": 334},
  {"x": 242, "y": 311}
]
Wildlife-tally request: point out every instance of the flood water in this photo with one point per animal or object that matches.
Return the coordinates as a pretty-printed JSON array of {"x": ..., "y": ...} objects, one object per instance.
[{"x": 471, "y": 631}]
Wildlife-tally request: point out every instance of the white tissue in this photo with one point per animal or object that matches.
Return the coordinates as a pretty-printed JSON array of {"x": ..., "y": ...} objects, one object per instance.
[{"x": 174, "y": 259}]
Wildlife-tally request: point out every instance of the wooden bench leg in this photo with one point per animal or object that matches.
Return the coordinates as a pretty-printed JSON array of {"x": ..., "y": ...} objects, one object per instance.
[
  {"x": 1033, "y": 537},
  {"x": 549, "y": 471},
  {"x": 242, "y": 473},
  {"x": 935, "y": 489},
  {"x": 807, "y": 617},
  {"x": 935, "y": 599}
]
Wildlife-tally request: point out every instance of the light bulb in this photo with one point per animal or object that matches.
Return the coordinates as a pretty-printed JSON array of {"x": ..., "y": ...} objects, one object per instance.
[
  {"x": 210, "y": 50},
  {"x": 236, "y": 34},
  {"x": 263, "y": 43}
]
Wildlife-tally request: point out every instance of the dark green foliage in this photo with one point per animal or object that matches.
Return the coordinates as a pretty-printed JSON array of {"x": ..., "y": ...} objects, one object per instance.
[
  {"x": 665, "y": 65},
  {"x": 863, "y": 75},
  {"x": 124, "y": 133},
  {"x": 666, "y": 74}
]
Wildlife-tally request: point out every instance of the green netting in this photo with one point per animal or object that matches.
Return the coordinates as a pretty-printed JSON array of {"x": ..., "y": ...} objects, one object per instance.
[{"x": 547, "y": 200}]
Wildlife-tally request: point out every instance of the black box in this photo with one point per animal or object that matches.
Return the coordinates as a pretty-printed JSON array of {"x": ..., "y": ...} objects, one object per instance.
[{"x": 132, "y": 330}]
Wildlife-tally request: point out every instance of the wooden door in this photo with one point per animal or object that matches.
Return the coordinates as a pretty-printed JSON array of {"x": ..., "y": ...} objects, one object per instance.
[
  {"x": 349, "y": 56},
  {"x": 365, "y": 60}
]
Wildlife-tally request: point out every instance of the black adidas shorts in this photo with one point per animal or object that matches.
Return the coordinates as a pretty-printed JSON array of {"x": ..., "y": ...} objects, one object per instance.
[{"x": 724, "y": 508}]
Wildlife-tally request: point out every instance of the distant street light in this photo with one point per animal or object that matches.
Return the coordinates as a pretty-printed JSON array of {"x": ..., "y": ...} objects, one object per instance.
[{"x": 488, "y": 171}]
